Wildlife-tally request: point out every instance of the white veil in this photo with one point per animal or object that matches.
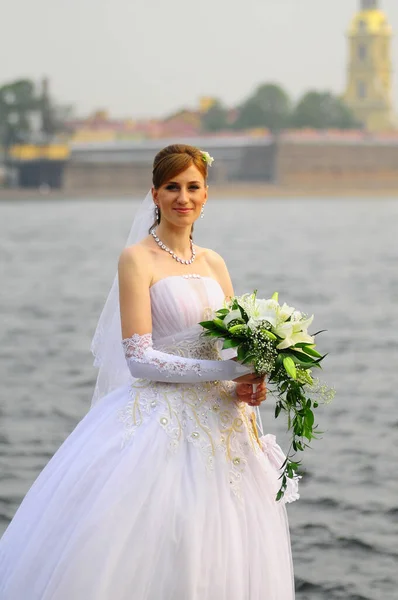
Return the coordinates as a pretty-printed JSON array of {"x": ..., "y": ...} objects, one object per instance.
[{"x": 106, "y": 344}]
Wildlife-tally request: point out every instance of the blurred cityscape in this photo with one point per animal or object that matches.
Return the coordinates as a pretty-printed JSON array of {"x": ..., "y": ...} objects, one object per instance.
[{"x": 323, "y": 141}]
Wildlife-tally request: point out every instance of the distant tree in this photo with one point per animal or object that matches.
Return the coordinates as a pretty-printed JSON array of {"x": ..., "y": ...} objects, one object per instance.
[
  {"x": 23, "y": 111},
  {"x": 216, "y": 118},
  {"x": 323, "y": 110},
  {"x": 269, "y": 106},
  {"x": 17, "y": 100}
]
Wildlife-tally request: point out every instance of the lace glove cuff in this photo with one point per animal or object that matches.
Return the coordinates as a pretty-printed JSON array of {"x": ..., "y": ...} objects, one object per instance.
[{"x": 147, "y": 363}]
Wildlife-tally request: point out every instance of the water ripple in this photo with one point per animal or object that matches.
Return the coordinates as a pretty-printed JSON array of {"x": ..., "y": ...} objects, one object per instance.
[{"x": 337, "y": 260}]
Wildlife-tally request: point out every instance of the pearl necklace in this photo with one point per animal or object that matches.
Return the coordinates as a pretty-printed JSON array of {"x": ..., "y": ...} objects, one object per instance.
[{"x": 173, "y": 254}]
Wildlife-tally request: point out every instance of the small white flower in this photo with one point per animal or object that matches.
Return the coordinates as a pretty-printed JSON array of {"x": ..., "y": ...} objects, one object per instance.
[{"x": 207, "y": 158}]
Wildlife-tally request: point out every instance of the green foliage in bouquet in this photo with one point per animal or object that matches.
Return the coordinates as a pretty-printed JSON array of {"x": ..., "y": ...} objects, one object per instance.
[{"x": 275, "y": 340}]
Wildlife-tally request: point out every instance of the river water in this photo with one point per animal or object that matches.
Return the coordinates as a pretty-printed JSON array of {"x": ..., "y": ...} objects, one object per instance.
[{"x": 332, "y": 257}]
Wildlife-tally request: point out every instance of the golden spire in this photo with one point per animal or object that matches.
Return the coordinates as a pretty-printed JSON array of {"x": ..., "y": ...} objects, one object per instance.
[{"x": 369, "y": 4}]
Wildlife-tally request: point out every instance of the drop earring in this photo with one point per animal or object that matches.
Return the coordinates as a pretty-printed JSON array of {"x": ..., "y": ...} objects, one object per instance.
[{"x": 202, "y": 212}]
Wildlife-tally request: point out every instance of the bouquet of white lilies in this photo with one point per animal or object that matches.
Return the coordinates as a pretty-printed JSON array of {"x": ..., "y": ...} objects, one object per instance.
[{"x": 275, "y": 340}]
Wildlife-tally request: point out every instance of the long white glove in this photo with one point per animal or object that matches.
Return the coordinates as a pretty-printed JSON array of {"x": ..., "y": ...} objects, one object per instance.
[{"x": 145, "y": 362}]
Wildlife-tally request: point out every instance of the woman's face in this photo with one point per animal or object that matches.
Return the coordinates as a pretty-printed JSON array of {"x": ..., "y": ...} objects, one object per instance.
[{"x": 180, "y": 200}]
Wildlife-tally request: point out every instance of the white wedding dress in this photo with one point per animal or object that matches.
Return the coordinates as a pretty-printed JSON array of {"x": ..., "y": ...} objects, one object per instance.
[{"x": 164, "y": 491}]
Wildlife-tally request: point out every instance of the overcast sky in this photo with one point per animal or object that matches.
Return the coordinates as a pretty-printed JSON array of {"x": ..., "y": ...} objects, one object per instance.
[{"x": 149, "y": 57}]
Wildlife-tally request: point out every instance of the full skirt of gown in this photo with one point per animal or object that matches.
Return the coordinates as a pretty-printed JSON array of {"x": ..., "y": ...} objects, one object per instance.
[{"x": 162, "y": 492}]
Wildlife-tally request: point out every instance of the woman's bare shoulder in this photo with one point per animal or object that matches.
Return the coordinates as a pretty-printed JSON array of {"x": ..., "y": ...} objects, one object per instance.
[
  {"x": 136, "y": 252},
  {"x": 213, "y": 258},
  {"x": 136, "y": 259}
]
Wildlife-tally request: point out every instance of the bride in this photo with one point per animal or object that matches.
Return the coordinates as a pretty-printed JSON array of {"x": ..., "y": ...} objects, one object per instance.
[{"x": 164, "y": 491}]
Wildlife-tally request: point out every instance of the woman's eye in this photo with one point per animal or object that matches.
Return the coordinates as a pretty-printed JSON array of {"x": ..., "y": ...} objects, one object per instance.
[{"x": 173, "y": 187}]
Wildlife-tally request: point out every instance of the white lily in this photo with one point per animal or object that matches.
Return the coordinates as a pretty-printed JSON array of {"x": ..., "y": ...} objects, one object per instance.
[
  {"x": 286, "y": 311},
  {"x": 249, "y": 304},
  {"x": 294, "y": 332},
  {"x": 305, "y": 323},
  {"x": 295, "y": 338},
  {"x": 283, "y": 330},
  {"x": 296, "y": 315},
  {"x": 268, "y": 310}
]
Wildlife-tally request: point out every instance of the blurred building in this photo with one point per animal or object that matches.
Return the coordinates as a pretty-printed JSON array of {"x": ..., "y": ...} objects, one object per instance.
[
  {"x": 369, "y": 84},
  {"x": 303, "y": 159},
  {"x": 100, "y": 127},
  {"x": 38, "y": 165},
  {"x": 33, "y": 154}
]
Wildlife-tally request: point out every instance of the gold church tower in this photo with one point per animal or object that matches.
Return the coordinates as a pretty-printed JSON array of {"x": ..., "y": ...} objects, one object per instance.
[{"x": 369, "y": 84}]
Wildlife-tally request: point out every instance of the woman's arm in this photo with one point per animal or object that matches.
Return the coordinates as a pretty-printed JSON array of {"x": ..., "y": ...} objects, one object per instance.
[
  {"x": 135, "y": 313},
  {"x": 243, "y": 388},
  {"x": 220, "y": 270}
]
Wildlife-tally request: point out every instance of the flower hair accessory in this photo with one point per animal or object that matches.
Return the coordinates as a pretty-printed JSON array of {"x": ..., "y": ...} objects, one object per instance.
[{"x": 207, "y": 158}]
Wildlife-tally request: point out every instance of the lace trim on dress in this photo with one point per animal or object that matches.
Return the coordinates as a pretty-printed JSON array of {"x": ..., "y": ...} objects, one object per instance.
[
  {"x": 139, "y": 348},
  {"x": 135, "y": 346}
]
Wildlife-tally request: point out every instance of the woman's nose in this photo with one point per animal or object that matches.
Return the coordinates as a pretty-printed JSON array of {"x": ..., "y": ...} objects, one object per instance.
[{"x": 183, "y": 196}]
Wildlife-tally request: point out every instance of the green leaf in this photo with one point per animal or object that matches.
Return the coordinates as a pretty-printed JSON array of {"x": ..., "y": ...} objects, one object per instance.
[
  {"x": 290, "y": 367},
  {"x": 230, "y": 344},
  {"x": 298, "y": 428},
  {"x": 311, "y": 351},
  {"x": 322, "y": 357},
  {"x": 309, "y": 418},
  {"x": 243, "y": 313},
  {"x": 300, "y": 363},
  {"x": 216, "y": 333},
  {"x": 275, "y": 296},
  {"x": 222, "y": 312},
  {"x": 248, "y": 358},
  {"x": 301, "y": 356},
  {"x": 284, "y": 387},
  {"x": 278, "y": 409},
  {"x": 219, "y": 323},
  {"x": 241, "y": 353},
  {"x": 207, "y": 324}
]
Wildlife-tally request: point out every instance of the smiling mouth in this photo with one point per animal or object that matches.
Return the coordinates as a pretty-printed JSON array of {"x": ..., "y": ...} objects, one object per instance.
[{"x": 183, "y": 209}]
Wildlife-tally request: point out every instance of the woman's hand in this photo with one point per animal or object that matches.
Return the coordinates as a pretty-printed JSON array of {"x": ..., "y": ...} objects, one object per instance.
[
  {"x": 249, "y": 378},
  {"x": 244, "y": 391}
]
